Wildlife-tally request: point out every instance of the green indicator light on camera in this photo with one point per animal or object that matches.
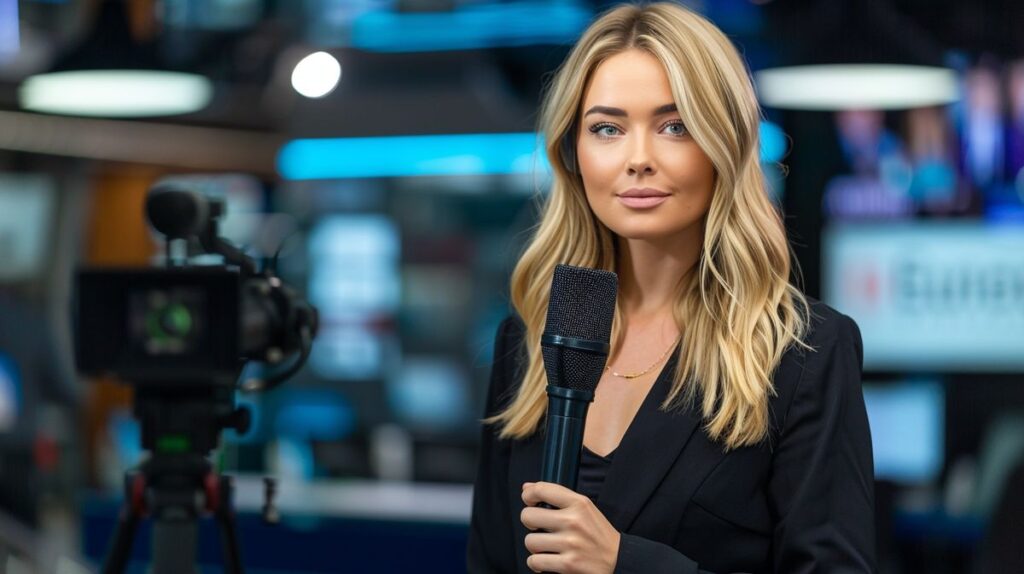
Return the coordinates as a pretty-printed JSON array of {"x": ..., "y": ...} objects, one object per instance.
[
  {"x": 178, "y": 319},
  {"x": 172, "y": 444}
]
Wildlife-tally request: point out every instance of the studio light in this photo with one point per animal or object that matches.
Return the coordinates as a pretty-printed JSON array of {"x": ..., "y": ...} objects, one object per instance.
[{"x": 316, "y": 75}]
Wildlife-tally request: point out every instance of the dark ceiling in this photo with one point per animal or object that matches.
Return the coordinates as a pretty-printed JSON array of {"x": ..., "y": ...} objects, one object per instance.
[{"x": 483, "y": 90}]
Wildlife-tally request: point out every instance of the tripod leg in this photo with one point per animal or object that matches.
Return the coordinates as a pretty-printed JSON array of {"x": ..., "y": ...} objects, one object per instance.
[
  {"x": 127, "y": 522},
  {"x": 225, "y": 513},
  {"x": 121, "y": 548},
  {"x": 232, "y": 556}
]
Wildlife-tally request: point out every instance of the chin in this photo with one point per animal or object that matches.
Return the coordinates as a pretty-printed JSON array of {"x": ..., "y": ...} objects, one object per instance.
[
  {"x": 646, "y": 232},
  {"x": 652, "y": 226}
]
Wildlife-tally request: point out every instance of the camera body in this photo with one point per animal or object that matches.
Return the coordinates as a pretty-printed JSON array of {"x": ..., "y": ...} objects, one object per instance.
[
  {"x": 182, "y": 325},
  {"x": 161, "y": 326},
  {"x": 185, "y": 325},
  {"x": 181, "y": 334}
]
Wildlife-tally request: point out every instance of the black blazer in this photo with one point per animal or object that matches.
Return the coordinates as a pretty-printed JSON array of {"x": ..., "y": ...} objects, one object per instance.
[{"x": 801, "y": 502}]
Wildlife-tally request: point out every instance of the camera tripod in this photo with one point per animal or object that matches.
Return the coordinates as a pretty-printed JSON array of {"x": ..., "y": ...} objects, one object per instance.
[{"x": 177, "y": 486}]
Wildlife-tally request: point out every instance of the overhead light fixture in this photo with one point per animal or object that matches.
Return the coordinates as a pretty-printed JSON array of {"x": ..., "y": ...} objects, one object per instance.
[
  {"x": 114, "y": 74},
  {"x": 856, "y": 86},
  {"x": 858, "y": 55},
  {"x": 116, "y": 93},
  {"x": 316, "y": 75}
]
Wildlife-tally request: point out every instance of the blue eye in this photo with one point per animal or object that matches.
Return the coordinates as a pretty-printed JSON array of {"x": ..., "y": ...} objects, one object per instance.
[
  {"x": 677, "y": 128},
  {"x": 604, "y": 130}
]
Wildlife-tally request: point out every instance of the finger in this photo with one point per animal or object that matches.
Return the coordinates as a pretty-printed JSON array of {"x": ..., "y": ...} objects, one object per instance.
[
  {"x": 545, "y": 562},
  {"x": 537, "y": 542},
  {"x": 554, "y": 494},
  {"x": 541, "y": 519}
]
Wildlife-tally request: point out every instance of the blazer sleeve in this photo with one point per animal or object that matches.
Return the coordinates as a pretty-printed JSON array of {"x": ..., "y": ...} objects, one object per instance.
[
  {"x": 822, "y": 481},
  {"x": 491, "y": 545},
  {"x": 643, "y": 556}
]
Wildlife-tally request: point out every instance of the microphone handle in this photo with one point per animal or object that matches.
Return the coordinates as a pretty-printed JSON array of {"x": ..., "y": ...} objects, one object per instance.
[{"x": 563, "y": 441}]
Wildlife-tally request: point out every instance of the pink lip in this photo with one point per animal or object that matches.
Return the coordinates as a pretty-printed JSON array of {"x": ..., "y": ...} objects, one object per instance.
[
  {"x": 642, "y": 198},
  {"x": 645, "y": 192},
  {"x": 643, "y": 202}
]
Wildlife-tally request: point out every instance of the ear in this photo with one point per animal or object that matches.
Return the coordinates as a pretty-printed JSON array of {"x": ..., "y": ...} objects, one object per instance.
[{"x": 567, "y": 149}]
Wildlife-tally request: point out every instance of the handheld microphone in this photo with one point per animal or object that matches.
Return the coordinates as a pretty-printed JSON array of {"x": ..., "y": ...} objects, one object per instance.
[{"x": 575, "y": 347}]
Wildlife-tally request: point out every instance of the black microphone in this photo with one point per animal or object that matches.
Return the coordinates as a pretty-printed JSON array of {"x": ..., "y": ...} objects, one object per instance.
[
  {"x": 182, "y": 213},
  {"x": 575, "y": 348},
  {"x": 179, "y": 213}
]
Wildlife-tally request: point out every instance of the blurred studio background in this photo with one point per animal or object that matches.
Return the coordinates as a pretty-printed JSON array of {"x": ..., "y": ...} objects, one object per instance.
[{"x": 386, "y": 151}]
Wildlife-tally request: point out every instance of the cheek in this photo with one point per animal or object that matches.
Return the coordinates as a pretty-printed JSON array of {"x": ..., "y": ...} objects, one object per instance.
[
  {"x": 692, "y": 170},
  {"x": 597, "y": 169}
]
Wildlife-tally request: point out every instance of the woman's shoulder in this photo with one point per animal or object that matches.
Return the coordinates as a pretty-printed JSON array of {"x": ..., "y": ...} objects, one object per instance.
[
  {"x": 509, "y": 352},
  {"x": 834, "y": 359},
  {"x": 508, "y": 344},
  {"x": 829, "y": 329}
]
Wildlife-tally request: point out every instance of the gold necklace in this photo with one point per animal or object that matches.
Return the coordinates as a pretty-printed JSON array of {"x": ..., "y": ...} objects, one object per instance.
[{"x": 631, "y": 376}]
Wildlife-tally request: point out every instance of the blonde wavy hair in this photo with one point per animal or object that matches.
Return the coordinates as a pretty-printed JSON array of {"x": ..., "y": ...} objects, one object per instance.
[{"x": 737, "y": 309}]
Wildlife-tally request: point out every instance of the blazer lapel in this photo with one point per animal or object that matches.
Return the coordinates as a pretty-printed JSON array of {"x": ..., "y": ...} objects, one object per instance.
[{"x": 650, "y": 446}]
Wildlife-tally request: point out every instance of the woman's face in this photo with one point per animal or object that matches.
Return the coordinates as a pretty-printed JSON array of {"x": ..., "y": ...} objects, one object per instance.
[{"x": 644, "y": 176}]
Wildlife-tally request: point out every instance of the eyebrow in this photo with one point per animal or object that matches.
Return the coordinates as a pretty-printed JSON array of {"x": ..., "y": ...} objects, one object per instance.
[{"x": 622, "y": 113}]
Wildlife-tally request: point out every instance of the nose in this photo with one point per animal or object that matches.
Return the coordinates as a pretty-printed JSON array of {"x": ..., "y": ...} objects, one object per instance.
[{"x": 640, "y": 161}]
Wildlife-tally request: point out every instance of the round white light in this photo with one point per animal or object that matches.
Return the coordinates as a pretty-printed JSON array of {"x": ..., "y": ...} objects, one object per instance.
[
  {"x": 856, "y": 86},
  {"x": 316, "y": 75},
  {"x": 116, "y": 93}
]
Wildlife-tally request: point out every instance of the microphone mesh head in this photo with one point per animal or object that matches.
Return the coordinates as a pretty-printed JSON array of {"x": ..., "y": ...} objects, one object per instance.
[
  {"x": 582, "y": 306},
  {"x": 175, "y": 211}
]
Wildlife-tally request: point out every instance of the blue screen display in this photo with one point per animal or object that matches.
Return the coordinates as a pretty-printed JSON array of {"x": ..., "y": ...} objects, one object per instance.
[{"x": 907, "y": 429}]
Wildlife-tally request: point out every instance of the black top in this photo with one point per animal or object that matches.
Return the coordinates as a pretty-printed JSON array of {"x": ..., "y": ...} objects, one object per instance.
[
  {"x": 593, "y": 468},
  {"x": 801, "y": 501}
]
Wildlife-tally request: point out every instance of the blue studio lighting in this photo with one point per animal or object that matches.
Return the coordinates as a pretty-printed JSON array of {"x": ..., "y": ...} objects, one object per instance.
[
  {"x": 315, "y": 414},
  {"x": 10, "y": 33},
  {"x": 773, "y": 142},
  {"x": 461, "y": 154},
  {"x": 410, "y": 156},
  {"x": 471, "y": 27}
]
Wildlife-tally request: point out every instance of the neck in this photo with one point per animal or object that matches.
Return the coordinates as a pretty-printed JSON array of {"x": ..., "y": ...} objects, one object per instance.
[{"x": 651, "y": 270}]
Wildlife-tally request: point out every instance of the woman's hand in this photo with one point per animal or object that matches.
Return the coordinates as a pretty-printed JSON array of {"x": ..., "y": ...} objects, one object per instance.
[{"x": 573, "y": 537}]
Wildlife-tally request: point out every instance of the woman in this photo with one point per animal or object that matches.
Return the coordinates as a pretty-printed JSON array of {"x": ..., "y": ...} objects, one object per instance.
[{"x": 728, "y": 433}]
